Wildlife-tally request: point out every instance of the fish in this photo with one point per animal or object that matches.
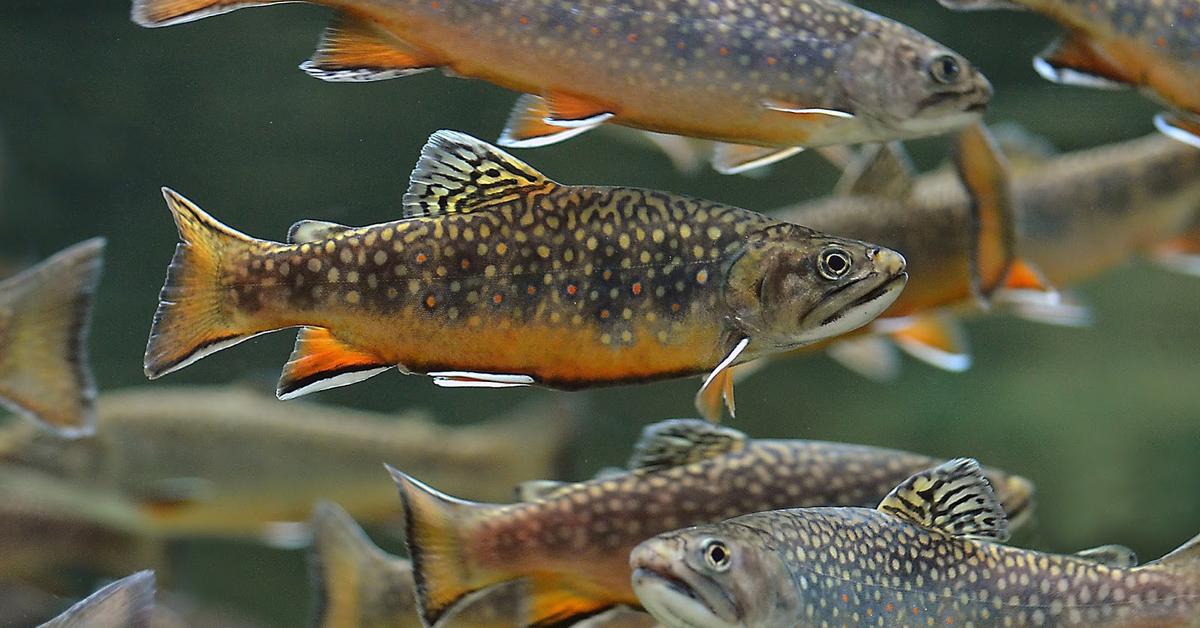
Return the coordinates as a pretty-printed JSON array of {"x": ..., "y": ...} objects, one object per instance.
[
  {"x": 45, "y": 313},
  {"x": 765, "y": 79},
  {"x": 1075, "y": 215},
  {"x": 929, "y": 554},
  {"x": 126, "y": 603},
  {"x": 219, "y": 461},
  {"x": 1150, "y": 45},
  {"x": 570, "y": 542},
  {"x": 499, "y": 277}
]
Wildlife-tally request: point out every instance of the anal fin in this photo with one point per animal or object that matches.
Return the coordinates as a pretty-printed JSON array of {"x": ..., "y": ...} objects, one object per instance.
[
  {"x": 738, "y": 158},
  {"x": 566, "y": 110},
  {"x": 1182, "y": 128},
  {"x": 1074, "y": 61},
  {"x": 527, "y": 126},
  {"x": 321, "y": 361},
  {"x": 936, "y": 339},
  {"x": 553, "y": 602},
  {"x": 355, "y": 49}
]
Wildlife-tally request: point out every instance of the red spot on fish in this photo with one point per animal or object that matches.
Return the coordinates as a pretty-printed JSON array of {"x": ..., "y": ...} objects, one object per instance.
[
  {"x": 681, "y": 45},
  {"x": 637, "y": 288},
  {"x": 466, "y": 263},
  {"x": 845, "y": 599},
  {"x": 430, "y": 301},
  {"x": 724, "y": 52},
  {"x": 1161, "y": 42},
  {"x": 607, "y": 275},
  {"x": 632, "y": 37},
  {"x": 916, "y": 610},
  {"x": 435, "y": 5},
  {"x": 889, "y": 608},
  {"x": 523, "y": 20},
  {"x": 603, "y": 313},
  {"x": 571, "y": 289},
  {"x": 595, "y": 30},
  {"x": 771, "y": 60},
  {"x": 497, "y": 298},
  {"x": 675, "y": 307},
  {"x": 1093, "y": 8},
  {"x": 530, "y": 290},
  {"x": 421, "y": 258},
  {"x": 949, "y": 620}
]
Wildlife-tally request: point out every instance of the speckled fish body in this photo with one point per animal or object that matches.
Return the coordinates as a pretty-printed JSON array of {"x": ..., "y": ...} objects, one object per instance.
[
  {"x": 787, "y": 73},
  {"x": 907, "y": 563},
  {"x": 501, "y": 277},
  {"x": 219, "y": 461},
  {"x": 572, "y": 541},
  {"x": 126, "y": 603}
]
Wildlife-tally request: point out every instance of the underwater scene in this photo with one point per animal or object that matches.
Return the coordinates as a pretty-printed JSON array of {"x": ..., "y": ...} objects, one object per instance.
[{"x": 521, "y": 255}]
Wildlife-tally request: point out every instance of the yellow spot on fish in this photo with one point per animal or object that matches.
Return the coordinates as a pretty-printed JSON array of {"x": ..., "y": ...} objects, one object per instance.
[
  {"x": 352, "y": 297},
  {"x": 314, "y": 265}
]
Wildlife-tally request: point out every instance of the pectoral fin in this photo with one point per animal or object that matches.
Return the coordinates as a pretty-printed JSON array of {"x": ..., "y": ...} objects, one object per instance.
[
  {"x": 984, "y": 173},
  {"x": 320, "y": 361},
  {"x": 718, "y": 386},
  {"x": 1074, "y": 61},
  {"x": 1063, "y": 310},
  {"x": 1025, "y": 277},
  {"x": 883, "y": 170},
  {"x": 355, "y": 49},
  {"x": 527, "y": 126},
  {"x": 738, "y": 158},
  {"x": 935, "y": 339},
  {"x": 469, "y": 379},
  {"x": 1186, "y": 130},
  {"x": 566, "y": 110},
  {"x": 872, "y": 356}
]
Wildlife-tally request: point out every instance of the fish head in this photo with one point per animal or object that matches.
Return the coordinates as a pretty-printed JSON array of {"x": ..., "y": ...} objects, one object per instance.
[
  {"x": 904, "y": 84},
  {"x": 794, "y": 286},
  {"x": 719, "y": 576}
]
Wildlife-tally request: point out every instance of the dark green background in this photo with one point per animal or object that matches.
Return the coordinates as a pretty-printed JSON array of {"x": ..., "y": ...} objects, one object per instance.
[{"x": 97, "y": 113}]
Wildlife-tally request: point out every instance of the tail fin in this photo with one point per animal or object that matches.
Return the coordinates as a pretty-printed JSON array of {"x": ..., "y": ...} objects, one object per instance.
[
  {"x": 44, "y": 316},
  {"x": 446, "y": 576},
  {"x": 191, "y": 321},
  {"x": 357, "y": 584},
  {"x": 155, "y": 13}
]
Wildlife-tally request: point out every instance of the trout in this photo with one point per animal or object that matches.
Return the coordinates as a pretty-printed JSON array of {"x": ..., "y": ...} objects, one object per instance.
[
  {"x": 45, "y": 312},
  {"x": 126, "y": 603},
  {"x": 498, "y": 276},
  {"x": 1153, "y": 45},
  {"x": 928, "y": 555},
  {"x": 570, "y": 543},
  {"x": 763, "y": 78},
  {"x": 220, "y": 461}
]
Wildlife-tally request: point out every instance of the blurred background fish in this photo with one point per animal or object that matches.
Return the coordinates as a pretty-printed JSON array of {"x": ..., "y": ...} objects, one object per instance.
[{"x": 126, "y": 603}]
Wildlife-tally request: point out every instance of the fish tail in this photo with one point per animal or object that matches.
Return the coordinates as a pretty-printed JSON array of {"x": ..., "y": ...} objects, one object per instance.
[
  {"x": 192, "y": 320},
  {"x": 352, "y": 577},
  {"x": 446, "y": 576},
  {"x": 155, "y": 13},
  {"x": 44, "y": 316}
]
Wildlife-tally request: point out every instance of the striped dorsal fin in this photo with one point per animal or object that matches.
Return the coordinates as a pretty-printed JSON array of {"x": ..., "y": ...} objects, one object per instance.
[{"x": 954, "y": 498}]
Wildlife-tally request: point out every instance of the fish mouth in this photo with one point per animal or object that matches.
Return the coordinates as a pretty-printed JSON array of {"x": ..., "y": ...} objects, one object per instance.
[
  {"x": 675, "y": 602},
  {"x": 855, "y": 313}
]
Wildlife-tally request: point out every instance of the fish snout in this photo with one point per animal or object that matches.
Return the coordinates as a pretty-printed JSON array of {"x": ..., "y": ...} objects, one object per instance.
[
  {"x": 655, "y": 554},
  {"x": 981, "y": 92},
  {"x": 887, "y": 261}
]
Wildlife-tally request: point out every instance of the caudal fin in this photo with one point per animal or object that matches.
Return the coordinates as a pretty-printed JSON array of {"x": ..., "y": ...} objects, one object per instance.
[
  {"x": 192, "y": 320},
  {"x": 356, "y": 583},
  {"x": 155, "y": 13},
  {"x": 446, "y": 576},
  {"x": 44, "y": 316}
]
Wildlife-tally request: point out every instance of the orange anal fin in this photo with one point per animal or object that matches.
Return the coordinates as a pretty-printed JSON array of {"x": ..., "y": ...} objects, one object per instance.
[
  {"x": 321, "y": 361},
  {"x": 984, "y": 173},
  {"x": 566, "y": 110},
  {"x": 553, "y": 602},
  {"x": 935, "y": 339},
  {"x": 1023, "y": 276},
  {"x": 356, "y": 49},
  {"x": 717, "y": 390},
  {"x": 527, "y": 126},
  {"x": 1182, "y": 128},
  {"x": 738, "y": 158},
  {"x": 155, "y": 13},
  {"x": 1074, "y": 61},
  {"x": 1181, "y": 254}
]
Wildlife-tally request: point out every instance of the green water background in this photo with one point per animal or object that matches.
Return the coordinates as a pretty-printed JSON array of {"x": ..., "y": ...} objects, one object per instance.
[{"x": 97, "y": 113}]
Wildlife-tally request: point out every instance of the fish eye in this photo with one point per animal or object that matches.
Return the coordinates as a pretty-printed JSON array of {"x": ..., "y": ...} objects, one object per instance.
[
  {"x": 717, "y": 555},
  {"x": 833, "y": 263},
  {"x": 945, "y": 69}
]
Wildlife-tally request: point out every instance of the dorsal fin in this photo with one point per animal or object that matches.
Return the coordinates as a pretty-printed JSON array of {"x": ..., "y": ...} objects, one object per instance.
[
  {"x": 883, "y": 170},
  {"x": 676, "y": 442},
  {"x": 1116, "y": 556},
  {"x": 458, "y": 173},
  {"x": 1186, "y": 556},
  {"x": 954, "y": 498},
  {"x": 313, "y": 230}
]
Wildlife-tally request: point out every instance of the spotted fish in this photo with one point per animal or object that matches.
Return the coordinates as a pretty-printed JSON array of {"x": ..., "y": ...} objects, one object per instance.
[
  {"x": 1153, "y": 45},
  {"x": 126, "y": 603},
  {"x": 45, "y": 313},
  {"x": 498, "y": 276},
  {"x": 928, "y": 555},
  {"x": 570, "y": 542},
  {"x": 764, "y": 78}
]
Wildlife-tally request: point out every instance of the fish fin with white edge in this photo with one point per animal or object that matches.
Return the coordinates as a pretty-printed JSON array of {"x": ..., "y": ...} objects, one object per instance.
[
  {"x": 954, "y": 498},
  {"x": 437, "y": 528},
  {"x": 193, "y": 320},
  {"x": 314, "y": 230},
  {"x": 738, "y": 158},
  {"x": 873, "y": 356},
  {"x": 981, "y": 5},
  {"x": 883, "y": 170},
  {"x": 677, "y": 442},
  {"x": 985, "y": 175},
  {"x": 458, "y": 174},
  {"x": 350, "y": 575},
  {"x": 128, "y": 602},
  {"x": 321, "y": 361},
  {"x": 682, "y": 151},
  {"x": 718, "y": 387},
  {"x": 1074, "y": 61},
  {"x": 1065, "y": 309},
  {"x": 935, "y": 338},
  {"x": 527, "y": 126},
  {"x": 1115, "y": 556},
  {"x": 1180, "y": 254},
  {"x": 1025, "y": 278},
  {"x": 355, "y": 49},
  {"x": 1185, "y": 129},
  {"x": 156, "y": 13},
  {"x": 45, "y": 315},
  {"x": 575, "y": 112},
  {"x": 470, "y": 379},
  {"x": 554, "y": 601}
]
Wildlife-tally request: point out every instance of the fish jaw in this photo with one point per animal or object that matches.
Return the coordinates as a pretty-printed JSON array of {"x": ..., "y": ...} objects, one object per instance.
[
  {"x": 847, "y": 310},
  {"x": 674, "y": 593}
]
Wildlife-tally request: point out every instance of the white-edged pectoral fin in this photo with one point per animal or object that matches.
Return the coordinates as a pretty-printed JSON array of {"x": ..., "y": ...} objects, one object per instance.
[
  {"x": 718, "y": 386},
  {"x": 469, "y": 379},
  {"x": 872, "y": 356},
  {"x": 738, "y": 158}
]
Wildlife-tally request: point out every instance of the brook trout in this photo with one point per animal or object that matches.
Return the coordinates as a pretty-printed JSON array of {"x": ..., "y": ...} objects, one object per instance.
[
  {"x": 498, "y": 276},
  {"x": 570, "y": 543},
  {"x": 765, "y": 78}
]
